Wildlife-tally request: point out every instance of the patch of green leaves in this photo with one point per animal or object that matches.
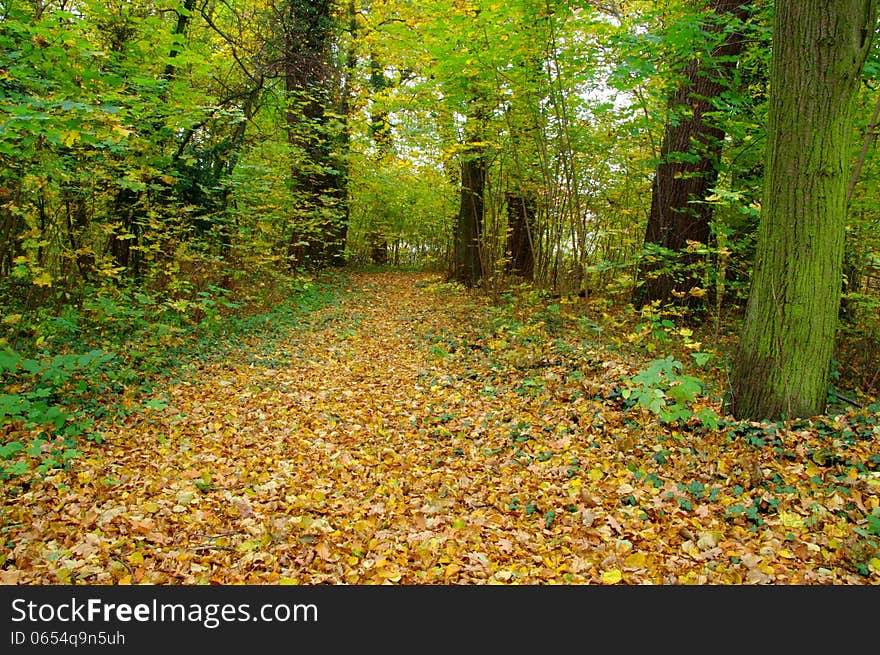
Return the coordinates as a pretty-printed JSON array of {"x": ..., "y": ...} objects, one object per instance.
[{"x": 664, "y": 390}]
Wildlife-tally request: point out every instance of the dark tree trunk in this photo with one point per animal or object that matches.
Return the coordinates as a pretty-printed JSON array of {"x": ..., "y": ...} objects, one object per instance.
[
  {"x": 125, "y": 241},
  {"x": 319, "y": 231},
  {"x": 469, "y": 223},
  {"x": 77, "y": 223},
  {"x": 11, "y": 226},
  {"x": 179, "y": 30},
  {"x": 378, "y": 248},
  {"x": 520, "y": 221},
  {"x": 688, "y": 168}
]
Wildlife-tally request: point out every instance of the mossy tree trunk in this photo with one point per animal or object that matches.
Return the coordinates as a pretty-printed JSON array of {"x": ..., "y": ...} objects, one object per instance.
[
  {"x": 782, "y": 367},
  {"x": 319, "y": 228}
]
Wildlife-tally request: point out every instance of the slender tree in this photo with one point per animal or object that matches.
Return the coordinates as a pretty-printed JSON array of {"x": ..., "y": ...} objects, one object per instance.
[
  {"x": 783, "y": 364},
  {"x": 383, "y": 139}
]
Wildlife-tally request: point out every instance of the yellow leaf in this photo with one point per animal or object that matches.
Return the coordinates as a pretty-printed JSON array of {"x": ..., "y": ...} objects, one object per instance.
[
  {"x": 636, "y": 561},
  {"x": 136, "y": 558},
  {"x": 612, "y": 576},
  {"x": 595, "y": 475},
  {"x": 791, "y": 520},
  {"x": 874, "y": 563},
  {"x": 692, "y": 578},
  {"x": 43, "y": 280},
  {"x": 288, "y": 581},
  {"x": 70, "y": 138},
  {"x": 12, "y": 319}
]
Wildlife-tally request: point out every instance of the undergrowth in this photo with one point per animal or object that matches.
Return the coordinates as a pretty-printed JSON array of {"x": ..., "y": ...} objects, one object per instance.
[{"x": 63, "y": 371}]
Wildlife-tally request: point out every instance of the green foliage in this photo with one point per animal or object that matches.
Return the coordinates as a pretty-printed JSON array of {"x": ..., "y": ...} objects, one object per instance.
[
  {"x": 153, "y": 173},
  {"x": 47, "y": 397},
  {"x": 134, "y": 340},
  {"x": 403, "y": 206},
  {"x": 663, "y": 389}
]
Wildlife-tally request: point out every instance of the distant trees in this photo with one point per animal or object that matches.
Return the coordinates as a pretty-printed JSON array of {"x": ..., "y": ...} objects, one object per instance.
[{"x": 165, "y": 144}]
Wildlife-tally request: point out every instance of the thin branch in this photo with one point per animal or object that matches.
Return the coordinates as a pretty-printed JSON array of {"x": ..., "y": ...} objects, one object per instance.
[
  {"x": 230, "y": 41},
  {"x": 866, "y": 146}
]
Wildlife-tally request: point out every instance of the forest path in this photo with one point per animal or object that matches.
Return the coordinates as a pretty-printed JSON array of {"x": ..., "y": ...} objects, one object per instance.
[
  {"x": 414, "y": 433},
  {"x": 366, "y": 449}
]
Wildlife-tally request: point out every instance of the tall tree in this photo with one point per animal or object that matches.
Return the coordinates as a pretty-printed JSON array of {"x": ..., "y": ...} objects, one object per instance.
[
  {"x": 469, "y": 222},
  {"x": 380, "y": 130},
  {"x": 521, "y": 213},
  {"x": 782, "y": 366},
  {"x": 318, "y": 236},
  {"x": 688, "y": 166},
  {"x": 525, "y": 130}
]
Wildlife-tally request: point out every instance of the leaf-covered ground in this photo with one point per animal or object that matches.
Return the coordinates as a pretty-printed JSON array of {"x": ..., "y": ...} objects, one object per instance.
[{"x": 419, "y": 434}]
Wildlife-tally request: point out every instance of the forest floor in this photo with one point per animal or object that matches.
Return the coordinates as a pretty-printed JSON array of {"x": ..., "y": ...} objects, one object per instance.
[{"x": 414, "y": 433}]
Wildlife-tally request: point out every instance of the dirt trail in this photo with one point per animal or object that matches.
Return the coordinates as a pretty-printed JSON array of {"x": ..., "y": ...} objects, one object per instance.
[
  {"x": 400, "y": 438},
  {"x": 359, "y": 452}
]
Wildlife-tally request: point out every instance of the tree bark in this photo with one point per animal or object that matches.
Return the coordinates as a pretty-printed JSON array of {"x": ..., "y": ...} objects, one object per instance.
[
  {"x": 179, "y": 30},
  {"x": 469, "y": 224},
  {"x": 688, "y": 168},
  {"x": 783, "y": 363},
  {"x": 383, "y": 138},
  {"x": 520, "y": 223},
  {"x": 318, "y": 234}
]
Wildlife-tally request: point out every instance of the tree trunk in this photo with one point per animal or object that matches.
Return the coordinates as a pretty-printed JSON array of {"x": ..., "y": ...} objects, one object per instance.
[
  {"x": 782, "y": 366},
  {"x": 380, "y": 130},
  {"x": 378, "y": 248},
  {"x": 318, "y": 233},
  {"x": 179, "y": 30},
  {"x": 77, "y": 224},
  {"x": 469, "y": 224},
  {"x": 688, "y": 168},
  {"x": 125, "y": 240},
  {"x": 520, "y": 222}
]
